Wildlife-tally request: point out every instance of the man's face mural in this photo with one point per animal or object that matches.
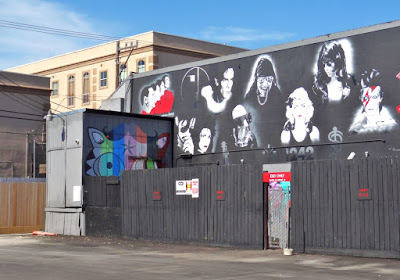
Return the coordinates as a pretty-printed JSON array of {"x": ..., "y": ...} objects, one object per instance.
[
  {"x": 227, "y": 83},
  {"x": 167, "y": 82},
  {"x": 152, "y": 98},
  {"x": 371, "y": 99},
  {"x": 205, "y": 140},
  {"x": 264, "y": 84}
]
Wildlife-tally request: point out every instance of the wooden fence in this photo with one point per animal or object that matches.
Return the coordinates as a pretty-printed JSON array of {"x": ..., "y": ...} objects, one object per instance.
[
  {"x": 22, "y": 206},
  {"x": 230, "y": 209},
  {"x": 347, "y": 206}
]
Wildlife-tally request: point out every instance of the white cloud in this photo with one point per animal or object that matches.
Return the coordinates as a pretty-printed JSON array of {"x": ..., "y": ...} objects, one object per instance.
[
  {"x": 20, "y": 47},
  {"x": 237, "y": 34}
]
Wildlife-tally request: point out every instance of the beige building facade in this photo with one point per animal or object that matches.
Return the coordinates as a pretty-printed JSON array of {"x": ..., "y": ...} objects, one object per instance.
[{"x": 82, "y": 79}]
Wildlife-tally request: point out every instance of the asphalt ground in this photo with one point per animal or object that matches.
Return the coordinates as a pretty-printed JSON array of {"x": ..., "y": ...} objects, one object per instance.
[{"x": 63, "y": 257}]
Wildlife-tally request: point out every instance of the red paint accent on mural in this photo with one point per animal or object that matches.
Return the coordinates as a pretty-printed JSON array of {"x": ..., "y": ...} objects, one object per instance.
[{"x": 398, "y": 108}]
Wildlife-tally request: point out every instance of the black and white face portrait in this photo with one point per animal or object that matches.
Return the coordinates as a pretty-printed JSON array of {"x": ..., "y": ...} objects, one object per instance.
[
  {"x": 167, "y": 82},
  {"x": 262, "y": 80},
  {"x": 204, "y": 140},
  {"x": 372, "y": 98},
  {"x": 332, "y": 68},
  {"x": 373, "y": 116},
  {"x": 241, "y": 130},
  {"x": 227, "y": 83},
  {"x": 264, "y": 84},
  {"x": 152, "y": 98}
]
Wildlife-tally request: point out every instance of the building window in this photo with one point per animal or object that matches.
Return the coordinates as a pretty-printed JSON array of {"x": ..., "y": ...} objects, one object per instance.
[
  {"x": 103, "y": 79},
  {"x": 141, "y": 66},
  {"x": 86, "y": 91},
  {"x": 54, "y": 88},
  {"x": 122, "y": 73},
  {"x": 71, "y": 90}
]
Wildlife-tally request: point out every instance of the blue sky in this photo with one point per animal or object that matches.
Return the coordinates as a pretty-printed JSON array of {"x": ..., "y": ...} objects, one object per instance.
[{"x": 248, "y": 24}]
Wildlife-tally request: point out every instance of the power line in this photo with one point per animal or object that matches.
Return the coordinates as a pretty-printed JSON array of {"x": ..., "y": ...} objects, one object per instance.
[
  {"x": 19, "y": 133},
  {"x": 31, "y": 106},
  {"x": 9, "y": 80},
  {"x": 15, "y": 112},
  {"x": 61, "y": 32},
  {"x": 17, "y": 118}
]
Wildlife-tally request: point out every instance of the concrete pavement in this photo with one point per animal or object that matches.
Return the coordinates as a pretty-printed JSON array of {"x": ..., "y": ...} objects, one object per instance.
[{"x": 62, "y": 258}]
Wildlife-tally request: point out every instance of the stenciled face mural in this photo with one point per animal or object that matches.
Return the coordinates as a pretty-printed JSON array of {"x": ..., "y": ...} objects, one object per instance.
[
  {"x": 332, "y": 81},
  {"x": 298, "y": 127},
  {"x": 308, "y": 102},
  {"x": 124, "y": 149},
  {"x": 156, "y": 98},
  {"x": 372, "y": 116}
]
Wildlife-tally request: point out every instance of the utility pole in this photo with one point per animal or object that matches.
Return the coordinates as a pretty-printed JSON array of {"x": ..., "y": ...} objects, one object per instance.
[
  {"x": 117, "y": 62},
  {"x": 131, "y": 46}
]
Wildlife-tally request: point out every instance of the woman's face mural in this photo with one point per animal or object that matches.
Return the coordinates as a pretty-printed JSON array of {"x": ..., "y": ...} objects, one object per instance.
[
  {"x": 299, "y": 110},
  {"x": 205, "y": 140},
  {"x": 330, "y": 68}
]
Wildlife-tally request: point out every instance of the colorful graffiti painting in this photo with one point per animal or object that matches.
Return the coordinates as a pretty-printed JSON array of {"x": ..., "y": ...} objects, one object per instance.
[{"x": 125, "y": 148}]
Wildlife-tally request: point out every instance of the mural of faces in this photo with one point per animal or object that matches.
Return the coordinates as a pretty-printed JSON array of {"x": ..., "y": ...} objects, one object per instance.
[
  {"x": 264, "y": 84},
  {"x": 333, "y": 92},
  {"x": 262, "y": 81},
  {"x": 299, "y": 111},
  {"x": 217, "y": 100},
  {"x": 331, "y": 81},
  {"x": 204, "y": 140},
  {"x": 184, "y": 137},
  {"x": 156, "y": 98},
  {"x": 241, "y": 131},
  {"x": 373, "y": 116},
  {"x": 227, "y": 83}
]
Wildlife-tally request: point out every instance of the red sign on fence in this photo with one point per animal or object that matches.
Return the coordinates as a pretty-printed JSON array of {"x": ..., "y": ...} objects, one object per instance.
[{"x": 277, "y": 177}]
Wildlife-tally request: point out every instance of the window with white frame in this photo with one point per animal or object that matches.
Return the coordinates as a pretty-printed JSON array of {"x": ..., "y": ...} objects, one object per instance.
[
  {"x": 54, "y": 87},
  {"x": 103, "y": 79},
  {"x": 141, "y": 66}
]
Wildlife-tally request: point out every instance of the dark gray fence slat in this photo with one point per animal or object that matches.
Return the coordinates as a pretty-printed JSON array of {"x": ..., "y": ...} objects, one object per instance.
[
  {"x": 341, "y": 222},
  {"x": 375, "y": 198},
  {"x": 335, "y": 211},
  {"x": 380, "y": 195},
  {"x": 386, "y": 205},
  {"x": 391, "y": 207},
  {"x": 396, "y": 212}
]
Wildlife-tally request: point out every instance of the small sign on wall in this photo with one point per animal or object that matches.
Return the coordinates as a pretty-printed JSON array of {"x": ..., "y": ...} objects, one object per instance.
[
  {"x": 277, "y": 177},
  {"x": 187, "y": 187},
  {"x": 156, "y": 196},
  {"x": 364, "y": 194},
  {"x": 195, "y": 188},
  {"x": 77, "y": 194},
  {"x": 220, "y": 195},
  {"x": 180, "y": 186}
]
